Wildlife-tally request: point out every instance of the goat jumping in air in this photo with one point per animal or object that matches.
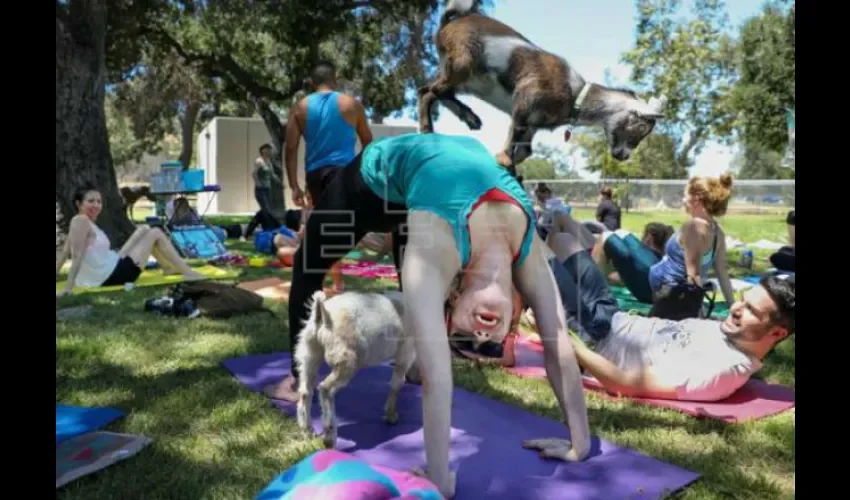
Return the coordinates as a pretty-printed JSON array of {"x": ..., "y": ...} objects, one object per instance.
[
  {"x": 488, "y": 59},
  {"x": 350, "y": 331}
]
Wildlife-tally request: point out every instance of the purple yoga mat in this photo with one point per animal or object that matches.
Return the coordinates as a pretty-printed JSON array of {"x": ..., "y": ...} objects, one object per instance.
[{"x": 487, "y": 438}]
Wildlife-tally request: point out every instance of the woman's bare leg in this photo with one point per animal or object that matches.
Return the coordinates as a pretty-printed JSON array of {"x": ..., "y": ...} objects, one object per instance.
[
  {"x": 134, "y": 239},
  {"x": 167, "y": 266},
  {"x": 156, "y": 238}
]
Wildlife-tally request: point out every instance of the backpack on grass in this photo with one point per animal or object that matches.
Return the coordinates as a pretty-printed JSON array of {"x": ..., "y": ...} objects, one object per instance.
[{"x": 207, "y": 298}]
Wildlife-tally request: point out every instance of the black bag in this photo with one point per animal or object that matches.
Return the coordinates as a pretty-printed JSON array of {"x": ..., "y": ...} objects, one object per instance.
[
  {"x": 684, "y": 300},
  {"x": 215, "y": 300}
]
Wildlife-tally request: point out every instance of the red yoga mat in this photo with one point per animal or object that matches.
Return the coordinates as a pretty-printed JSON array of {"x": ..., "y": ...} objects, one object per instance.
[{"x": 755, "y": 400}]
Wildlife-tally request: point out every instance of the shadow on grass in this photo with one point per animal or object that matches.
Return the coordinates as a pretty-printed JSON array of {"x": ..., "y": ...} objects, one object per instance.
[{"x": 211, "y": 438}]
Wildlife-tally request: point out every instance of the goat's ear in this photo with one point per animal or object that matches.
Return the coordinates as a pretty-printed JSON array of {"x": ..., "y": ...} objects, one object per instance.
[{"x": 652, "y": 109}]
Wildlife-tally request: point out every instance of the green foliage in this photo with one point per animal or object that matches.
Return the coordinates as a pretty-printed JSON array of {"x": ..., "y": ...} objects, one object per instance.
[
  {"x": 536, "y": 168},
  {"x": 755, "y": 161},
  {"x": 654, "y": 158},
  {"x": 766, "y": 88},
  {"x": 690, "y": 60}
]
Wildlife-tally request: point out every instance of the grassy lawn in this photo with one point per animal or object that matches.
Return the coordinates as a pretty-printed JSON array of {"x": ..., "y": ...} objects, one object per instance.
[{"x": 214, "y": 439}]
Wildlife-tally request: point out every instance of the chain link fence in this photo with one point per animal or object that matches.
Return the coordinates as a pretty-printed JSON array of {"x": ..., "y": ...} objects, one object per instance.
[{"x": 651, "y": 195}]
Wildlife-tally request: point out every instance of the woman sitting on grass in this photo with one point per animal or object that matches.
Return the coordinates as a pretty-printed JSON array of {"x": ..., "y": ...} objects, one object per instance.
[
  {"x": 698, "y": 245},
  {"x": 95, "y": 264}
]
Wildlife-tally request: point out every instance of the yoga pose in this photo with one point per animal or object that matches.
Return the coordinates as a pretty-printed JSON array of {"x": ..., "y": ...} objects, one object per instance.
[
  {"x": 463, "y": 214},
  {"x": 94, "y": 263},
  {"x": 632, "y": 258},
  {"x": 330, "y": 123},
  {"x": 691, "y": 359},
  {"x": 690, "y": 252}
]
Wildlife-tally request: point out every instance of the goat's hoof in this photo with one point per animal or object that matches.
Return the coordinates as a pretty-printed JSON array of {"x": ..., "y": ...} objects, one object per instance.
[
  {"x": 426, "y": 129},
  {"x": 329, "y": 439},
  {"x": 473, "y": 122},
  {"x": 391, "y": 417}
]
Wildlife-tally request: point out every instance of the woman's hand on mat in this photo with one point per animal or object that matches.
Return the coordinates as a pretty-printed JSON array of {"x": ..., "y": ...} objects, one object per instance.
[
  {"x": 447, "y": 493},
  {"x": 558, "y": 448}
]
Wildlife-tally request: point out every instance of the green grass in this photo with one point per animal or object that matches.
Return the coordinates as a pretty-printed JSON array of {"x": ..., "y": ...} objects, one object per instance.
[{"x": 215, "y": 439}]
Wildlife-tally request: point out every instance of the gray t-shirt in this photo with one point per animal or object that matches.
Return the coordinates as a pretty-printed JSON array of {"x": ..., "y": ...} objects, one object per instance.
[{"x": 692, "y": 355}]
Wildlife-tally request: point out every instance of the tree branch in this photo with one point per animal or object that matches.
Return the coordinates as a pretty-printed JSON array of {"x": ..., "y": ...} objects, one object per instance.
[{"x": 227, "y": 67}]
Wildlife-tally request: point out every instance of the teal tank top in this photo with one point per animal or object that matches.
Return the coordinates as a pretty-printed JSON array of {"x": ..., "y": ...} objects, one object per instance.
[
  {"x": 443, "y": 174},
  {"x": 328, "y": 138}
]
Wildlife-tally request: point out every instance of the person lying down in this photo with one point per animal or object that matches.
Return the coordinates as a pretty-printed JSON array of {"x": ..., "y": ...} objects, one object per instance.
[{"x": 691, "y": 359}]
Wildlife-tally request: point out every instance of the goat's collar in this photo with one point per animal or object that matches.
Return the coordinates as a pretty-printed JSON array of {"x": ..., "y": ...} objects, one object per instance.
[{"x": 582, "y": 95}]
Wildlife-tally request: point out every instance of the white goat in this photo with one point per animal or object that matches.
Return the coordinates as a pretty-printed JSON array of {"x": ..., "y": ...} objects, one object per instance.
[{"x": 350, "y": 331}]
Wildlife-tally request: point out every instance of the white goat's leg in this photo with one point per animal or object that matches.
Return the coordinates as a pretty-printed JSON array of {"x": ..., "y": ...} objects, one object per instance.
[
  {"x": 404, "y": 360},
  {"x": 336, "y": 380},
  {"x": 309, "y": 357}
]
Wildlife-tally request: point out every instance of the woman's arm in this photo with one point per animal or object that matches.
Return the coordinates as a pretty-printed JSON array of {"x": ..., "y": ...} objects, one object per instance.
[
  {"x": 63, "y": 256},
  {"x": 691, "y": 237},
  {"x": 77, "y": 237},
  {"x": 721, "y": 267}
]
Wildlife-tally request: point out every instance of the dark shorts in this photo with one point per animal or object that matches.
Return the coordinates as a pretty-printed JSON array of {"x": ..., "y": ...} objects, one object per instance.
[
  {"x": 632, "y": 260},
  {"x": 318, "y": 180},
  {"x": 585, "y": 293},
  {"x": 126, "y": 271}
]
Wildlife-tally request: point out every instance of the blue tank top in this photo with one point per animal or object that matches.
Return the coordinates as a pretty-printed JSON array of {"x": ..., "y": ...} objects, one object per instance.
[
  {"x": 443, "y": 174},
  {"x": 329, "y": 139},
  {"x": 671, "y": 269}
]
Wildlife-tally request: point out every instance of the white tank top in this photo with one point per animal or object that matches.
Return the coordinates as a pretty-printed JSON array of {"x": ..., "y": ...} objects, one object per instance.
[{"x": 98, "y": 262}]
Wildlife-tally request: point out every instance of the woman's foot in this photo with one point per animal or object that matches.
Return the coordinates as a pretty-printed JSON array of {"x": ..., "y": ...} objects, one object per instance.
[
  {"x": 285, "y": 390},
  {"x": 193, "y": 276}
]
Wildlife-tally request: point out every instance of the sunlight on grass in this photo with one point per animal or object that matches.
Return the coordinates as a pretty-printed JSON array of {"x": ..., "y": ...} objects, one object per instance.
[{"x": 215, "y": 439}]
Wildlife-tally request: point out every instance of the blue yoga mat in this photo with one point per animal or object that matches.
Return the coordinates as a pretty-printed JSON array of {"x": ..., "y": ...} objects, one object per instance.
[{"x": 72, "y": 421}]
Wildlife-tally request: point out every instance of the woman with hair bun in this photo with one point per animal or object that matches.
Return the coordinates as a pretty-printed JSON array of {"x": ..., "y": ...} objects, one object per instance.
[{"x": 700, "y": 242}]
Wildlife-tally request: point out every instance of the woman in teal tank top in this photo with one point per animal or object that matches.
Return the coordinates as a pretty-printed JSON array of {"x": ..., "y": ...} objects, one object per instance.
[{"x": 468, "y": 232}]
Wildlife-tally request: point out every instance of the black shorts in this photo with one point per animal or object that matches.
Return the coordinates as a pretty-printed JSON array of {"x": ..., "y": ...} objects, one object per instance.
[
  {"x": 318, "y": 180},
  {"x": 126, "y": 271}
]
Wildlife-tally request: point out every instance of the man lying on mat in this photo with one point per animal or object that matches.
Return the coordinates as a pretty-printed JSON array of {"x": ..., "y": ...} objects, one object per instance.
[
  {"x": 462, "y": 213},
  {"x": 692, "y": 359}
]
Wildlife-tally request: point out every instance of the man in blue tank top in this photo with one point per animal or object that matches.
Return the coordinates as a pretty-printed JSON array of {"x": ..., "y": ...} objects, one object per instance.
[{"x": 330, "y": 123}]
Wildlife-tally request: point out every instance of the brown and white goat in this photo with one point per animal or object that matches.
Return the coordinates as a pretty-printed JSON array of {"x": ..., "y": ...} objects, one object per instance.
[{"x": 488, "y": 59}]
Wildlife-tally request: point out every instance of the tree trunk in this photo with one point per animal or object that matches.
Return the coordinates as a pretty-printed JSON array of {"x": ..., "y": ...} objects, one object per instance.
[
  {"x": 276, "y": 133},
  {"x": 82, "y": 141},
  {"x": 187, "y": 128}
]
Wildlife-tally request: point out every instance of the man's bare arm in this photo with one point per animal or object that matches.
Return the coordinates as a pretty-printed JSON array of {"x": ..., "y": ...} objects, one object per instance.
[
  {"x": 535, "y": 282},
  {"x": 293, "y": 140},
  {"x": 364, "y": 132},
  {"x": 640, "y": 383}
]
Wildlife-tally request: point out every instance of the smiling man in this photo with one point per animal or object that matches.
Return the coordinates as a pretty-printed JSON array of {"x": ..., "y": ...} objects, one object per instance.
[{"x": 692, "y": 359}]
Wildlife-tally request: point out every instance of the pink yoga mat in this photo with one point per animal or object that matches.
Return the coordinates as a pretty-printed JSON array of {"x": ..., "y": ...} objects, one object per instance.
[
  {"x": 369, "y": 270},
  {"x": 755, "y": 400}
]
